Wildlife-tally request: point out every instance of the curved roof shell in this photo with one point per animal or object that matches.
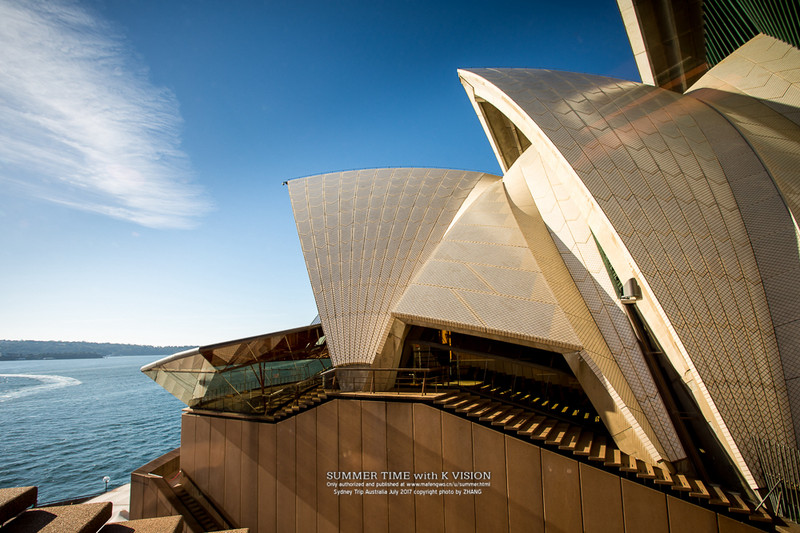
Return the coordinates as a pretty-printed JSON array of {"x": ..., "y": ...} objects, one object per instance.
[
  {"x": 483, "y": 278},
  {"x": 663, "y": 178},
  {"x": 364, "y": 234}
]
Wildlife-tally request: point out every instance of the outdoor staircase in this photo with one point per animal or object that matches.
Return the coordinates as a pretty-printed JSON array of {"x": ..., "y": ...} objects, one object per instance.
[
  {"x": 563, "y": 428},
  {"x": 558, "y": 402},
  {"x": 305, "y": 401},
  {"x": 197, "y": 511}
]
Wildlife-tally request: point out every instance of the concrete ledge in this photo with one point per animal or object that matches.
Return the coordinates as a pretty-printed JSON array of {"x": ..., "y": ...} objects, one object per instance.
[
  {"x": 85, "y": 518},
  {"x": 167, "y": 524},
  {"x": 15, "y": 500}
]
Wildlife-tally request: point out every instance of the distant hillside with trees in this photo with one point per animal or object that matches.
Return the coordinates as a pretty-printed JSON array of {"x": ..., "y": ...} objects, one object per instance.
[{"x": 78, "y": 349}]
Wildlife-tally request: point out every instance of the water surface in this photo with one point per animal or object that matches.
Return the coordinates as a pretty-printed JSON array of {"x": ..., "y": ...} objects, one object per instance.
[{"x": 64, "y": 424}]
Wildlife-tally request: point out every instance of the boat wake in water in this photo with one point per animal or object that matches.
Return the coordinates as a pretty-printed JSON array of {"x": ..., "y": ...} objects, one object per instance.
[{"x": 46, "y": 383}]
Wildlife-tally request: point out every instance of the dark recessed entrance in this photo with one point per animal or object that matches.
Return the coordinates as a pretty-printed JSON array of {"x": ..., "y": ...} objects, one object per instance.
[{"x": 532, "y": 378}]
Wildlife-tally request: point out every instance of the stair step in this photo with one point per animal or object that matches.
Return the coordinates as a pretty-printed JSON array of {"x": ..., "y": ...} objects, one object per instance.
[
  {"x": 198, "y": 512},
  {"x": 494, "y": 413},
  {"x": 535, "y": 401},
  {"x": 506, "y": 417},
  {"x": 584, "y": 446},
  {"x": 613, "y": 457},
  {"x": 479, "y": 407},
  {"x": 629, "y": 463},
  {"x": 699, "y": 490},
  {"x": 483, "y": 410},
  {"x": 645, "y": 470},
  {"x": 556, "y": 436},
  {"x": 681, "y": 483},
  {"x": 718, "y": 497},
  {"x": 448, "y": 396},
  {"x": 598, "y": 452},
  {"x": 532, "y": 426},
  {"x": 571, "y": 439},
  {"x": 471, "y": 406},
  {"x": 761, "y": 515},
  {"x": 565, "y": 410},
  {"x": 580, "y": 441},
  {"x": 459, "y": 402},
  {"x": 457, "y": 398},
  {"x": 663, "y": 477},
  {"x": 739, "y": 506},
  {"x": 545, "y": 429},
  {"x": 519, "y": 422}
]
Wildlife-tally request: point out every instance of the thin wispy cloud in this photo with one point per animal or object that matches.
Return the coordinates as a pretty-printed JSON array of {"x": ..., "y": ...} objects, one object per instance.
[{"x": 80, "y": 123}]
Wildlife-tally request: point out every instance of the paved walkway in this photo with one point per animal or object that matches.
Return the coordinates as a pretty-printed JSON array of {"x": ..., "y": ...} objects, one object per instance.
[{"x": 120, "y": 498}]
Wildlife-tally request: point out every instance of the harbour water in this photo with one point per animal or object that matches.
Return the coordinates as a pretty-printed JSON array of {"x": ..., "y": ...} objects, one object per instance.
[{"x": 66, "y": 424}]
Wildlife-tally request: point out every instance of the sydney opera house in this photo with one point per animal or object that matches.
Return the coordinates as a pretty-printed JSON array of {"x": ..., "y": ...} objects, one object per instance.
[{"x": 604, "y": 338}]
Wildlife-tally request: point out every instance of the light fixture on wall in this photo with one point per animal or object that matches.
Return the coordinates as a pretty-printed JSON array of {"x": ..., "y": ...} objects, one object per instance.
[{"x": 631, "y": 292}]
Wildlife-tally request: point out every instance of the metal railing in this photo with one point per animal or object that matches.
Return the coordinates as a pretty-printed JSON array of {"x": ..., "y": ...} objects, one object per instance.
[
  {"x": 781, "y": 467},
  {"x": 460, "y": 371},
  {"x": 397, "y": 380},
  {"x": 237, "y": 392}
]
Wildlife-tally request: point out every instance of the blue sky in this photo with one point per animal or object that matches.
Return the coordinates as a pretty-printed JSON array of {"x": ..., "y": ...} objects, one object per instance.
[{"x": 143, "y": 143}]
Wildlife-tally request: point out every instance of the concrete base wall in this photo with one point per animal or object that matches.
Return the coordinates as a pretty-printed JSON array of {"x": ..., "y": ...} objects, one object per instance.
[
  {"x": 148, "y": 497},
  {"x": 273, "y": 476},
  {"x": 151, "y": 495}
]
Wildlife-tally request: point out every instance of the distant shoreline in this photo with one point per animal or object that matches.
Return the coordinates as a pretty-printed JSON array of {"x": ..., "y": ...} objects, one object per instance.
[
  {"x": 43, "y": 356},
  {"x": 24, "y": 350}
]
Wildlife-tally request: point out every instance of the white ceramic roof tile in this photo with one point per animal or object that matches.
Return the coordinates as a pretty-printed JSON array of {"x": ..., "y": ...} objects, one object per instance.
[
  {"x": 512, "y": 298},
  {"x": 493, "y": 274},
  {"x": 664, "y": 123},
  {"x": 366, "y": 226}
]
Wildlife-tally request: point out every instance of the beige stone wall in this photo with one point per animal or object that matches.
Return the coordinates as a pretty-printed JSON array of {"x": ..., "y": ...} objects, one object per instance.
[{"x": 271, "y": 477}]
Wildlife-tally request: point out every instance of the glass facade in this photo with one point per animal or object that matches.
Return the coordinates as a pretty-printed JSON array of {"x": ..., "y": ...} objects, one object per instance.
[{"x": 256, "y": 375}]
